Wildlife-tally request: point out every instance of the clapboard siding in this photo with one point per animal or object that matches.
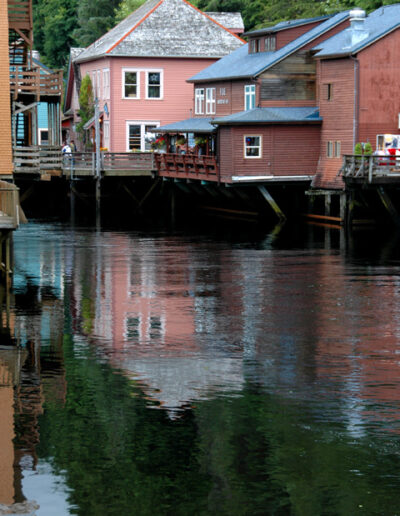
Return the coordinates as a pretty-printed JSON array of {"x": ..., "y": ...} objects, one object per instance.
[
  {"x": 286, "y": 36},
  {"x": 338, "y": 115},
  {"x": 283, "y": 151},
  {"x": 5, "y": 111}
]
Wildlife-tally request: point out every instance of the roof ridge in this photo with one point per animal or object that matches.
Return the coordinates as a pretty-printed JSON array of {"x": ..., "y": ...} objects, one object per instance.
[
  {"x": 215, "y": 21},
  {"x": 135, "y": 26}
]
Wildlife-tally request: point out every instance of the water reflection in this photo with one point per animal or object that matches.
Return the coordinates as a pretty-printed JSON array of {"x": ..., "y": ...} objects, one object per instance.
[{"x": 273, "y": 368}]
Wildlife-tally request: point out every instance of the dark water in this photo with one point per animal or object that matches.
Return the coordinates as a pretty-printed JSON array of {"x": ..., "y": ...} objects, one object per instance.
[{"x": 201, "y": 374}]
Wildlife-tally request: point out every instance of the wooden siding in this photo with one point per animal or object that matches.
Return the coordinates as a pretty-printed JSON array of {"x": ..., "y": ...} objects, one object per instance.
[
  {"x": 283, "y": 151},
  {"x": 338, "y": 116},
  {"x": 379, "y": 100},
  {"x": 232, "y": 101},
  {"x": 284, "y": 37},
  {"x": 5, "y": 111},
  {"x": 176, "y": 104}
]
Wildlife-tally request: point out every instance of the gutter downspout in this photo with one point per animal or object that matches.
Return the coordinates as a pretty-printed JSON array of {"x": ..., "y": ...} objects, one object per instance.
[{"x": 356, "y": 99}]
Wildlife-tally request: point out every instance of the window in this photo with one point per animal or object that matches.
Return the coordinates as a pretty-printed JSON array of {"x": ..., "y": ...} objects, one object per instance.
[
  {"x": 138, "y": 136},
  {"x": 329, "y": 149},
  {"x": 328, "y": 91},
  {"x": 222, "y": 92},
  {"x": 98, "y": 84},
  {"x": 154, "y": 90},
  {"x": 255, "y": 46},
  {"x": 337, "y": 150},
  {"x": 131, "y": 85},
  {"x": 43, "y": 137},
  {"x": 270, "y": 44},
  {"x": 210, "y": 101},
  {"x": 106, "y": 134},
  {"x": 199, "y": 101},
  {"x": 106, "y": 84},
  {"x": 252, "y": 146},
  {"x": 249, "y": 96},
  {"x": 94, "y": 83}
]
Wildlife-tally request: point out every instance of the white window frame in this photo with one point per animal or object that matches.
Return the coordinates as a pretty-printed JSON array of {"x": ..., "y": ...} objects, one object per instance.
[
  {"x": 329, "y": 149},
  {"x": 142, "y": 124},
  {"x": 106, "y": 134},
  {"x": 131, "y": 70},
  {"x": 93, "y": 78},
  {"x": 98, "y": 84},
  {"x": 245, "y": 147},
  {"x": 250, "y": 93},
  {"x": 337, "y": 149},
  {"x": 199, "y": 101},
  {"x": 270, "y": 44},
  {"x": 210, "y": 101},
  {"x": 106, "y": 83},
  {"x": 161, "y": 72}
]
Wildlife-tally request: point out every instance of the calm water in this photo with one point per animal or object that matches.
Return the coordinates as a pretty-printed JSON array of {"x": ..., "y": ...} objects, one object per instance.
[{"x": 204, "y": 374}]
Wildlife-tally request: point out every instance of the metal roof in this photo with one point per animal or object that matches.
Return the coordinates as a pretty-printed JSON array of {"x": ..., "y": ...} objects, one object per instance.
[
  {"x": 284, "y": 25},
  {"x": 375, "y": 26},
  {"x": 272, "y": 115},
  {"x": 165, "y": 28},
  {"x": 240, "y": 64},
  {"x": 190, "y": 125}
]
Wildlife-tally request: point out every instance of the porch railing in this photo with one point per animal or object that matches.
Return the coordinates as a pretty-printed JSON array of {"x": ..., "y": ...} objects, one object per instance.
[
  {"x": 369, "y": 167},
  {"x": 9, "y": 204},
  {"x": 35, "y": 83},
  {"x": 20, "y": 14},
  {"x": 186, "y": 165},
  {"x": 37, "y": 158},
  {"x": 128, "y": 161}
]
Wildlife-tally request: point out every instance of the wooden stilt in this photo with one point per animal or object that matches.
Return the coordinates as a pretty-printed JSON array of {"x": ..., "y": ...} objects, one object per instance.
[
  {"x": 389, "y": 206},
  {"x": 268, "y": 197}
]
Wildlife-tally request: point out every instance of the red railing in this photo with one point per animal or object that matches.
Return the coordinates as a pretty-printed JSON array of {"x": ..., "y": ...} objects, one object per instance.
[{"x": 187, "y": 166}]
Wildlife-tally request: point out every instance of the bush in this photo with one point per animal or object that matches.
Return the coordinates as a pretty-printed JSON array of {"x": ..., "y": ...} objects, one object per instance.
[
  {"x": 358, "y": 150},
  {"x": 368, "y": 149}
]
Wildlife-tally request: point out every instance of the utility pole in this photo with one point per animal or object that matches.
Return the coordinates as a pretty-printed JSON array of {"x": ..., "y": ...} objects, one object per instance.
[{"x": 98, "y": 162}]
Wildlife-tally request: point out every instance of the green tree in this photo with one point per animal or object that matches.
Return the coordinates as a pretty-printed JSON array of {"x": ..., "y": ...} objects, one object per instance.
[
  {"x": 125, "y": 8},
  {"x": 86, "y": 105},
  {"x": 95, "y": 18},
  {"x": 54, "y": 21}
]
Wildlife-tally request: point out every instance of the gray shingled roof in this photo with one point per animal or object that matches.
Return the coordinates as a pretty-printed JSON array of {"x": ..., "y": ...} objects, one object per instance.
[
  {"x": 283, "y": 25},
  {"x": 166, "y": 28},
  {"x": 240, "y": 64},
  {"x": 376, "y": 25},
  {"x": 272, "y": 115},
  {"x": 190, "y": 125},
  {"x": 228, "y": 20}
]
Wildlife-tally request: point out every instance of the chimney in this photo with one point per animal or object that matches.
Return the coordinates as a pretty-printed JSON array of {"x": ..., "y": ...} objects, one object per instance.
[{"x": 357, "y": 26}]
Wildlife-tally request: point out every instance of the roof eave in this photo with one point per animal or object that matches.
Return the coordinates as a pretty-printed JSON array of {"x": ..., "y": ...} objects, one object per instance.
[{"x": 272, "y": 122}]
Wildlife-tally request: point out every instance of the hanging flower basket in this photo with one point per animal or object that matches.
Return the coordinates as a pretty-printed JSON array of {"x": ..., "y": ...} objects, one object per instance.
[{"x": 200, "y": 140}]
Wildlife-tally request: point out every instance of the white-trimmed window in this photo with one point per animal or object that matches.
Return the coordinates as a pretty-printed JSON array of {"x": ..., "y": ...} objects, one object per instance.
[
  {"x": 94, "y": 83},
  {"x": 154, "y": 82},
  {"x": 131, "y": 84},
  {"x": 137, "y": 135},
  {"x": 98, "y": 84},
  {"x": 252, "y": 146},
  {"x": 249, "y": 96},
  {"x": 329, "y": 149},
  {"x": 210, "y": 101},
  {"x": 199, "y": 101},
  {"x": 106, "y": 134},
  {"x": 255, "y": 46},
  {"x": 270, "y": 44},
  {"x": 337, "y": 150},
  {"x": 106, "y": 83}
]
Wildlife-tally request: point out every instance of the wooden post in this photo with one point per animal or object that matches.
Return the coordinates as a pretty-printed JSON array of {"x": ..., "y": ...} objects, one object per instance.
[
  {"x": 271, "y": 201},
  {"x": 327, "y": 204}
]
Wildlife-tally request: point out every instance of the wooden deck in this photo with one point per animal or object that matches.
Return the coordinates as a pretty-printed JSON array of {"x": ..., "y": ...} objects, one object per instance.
[
  {"x": 45, "y": 160},
  {"x": 371, "y": 169}
]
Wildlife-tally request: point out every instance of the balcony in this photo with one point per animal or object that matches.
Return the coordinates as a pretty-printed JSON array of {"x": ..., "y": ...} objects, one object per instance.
[
  {"x": 20, "y": 15},
  {"x": 9, "y": 205},
  {"x": 371, "y": 169},
  {"x": 33, "y": 82},
  {"x": 187, "y": 166}
]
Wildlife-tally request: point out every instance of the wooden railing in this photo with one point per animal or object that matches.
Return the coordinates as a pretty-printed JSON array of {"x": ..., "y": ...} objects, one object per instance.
[
  {"x": 9, "y": 205},
  {"x": 370, "y": 167},
  {"x": 186, "y": 165},
  {"x": 33, "y": 160},
  {"x": 20, "y": 14},
  {"x": 35, "y": 83},
  {"x": 128, "y": 161}
]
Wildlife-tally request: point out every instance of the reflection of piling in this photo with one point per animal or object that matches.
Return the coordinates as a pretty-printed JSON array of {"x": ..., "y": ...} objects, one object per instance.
[{"x": 6, "y": 263}]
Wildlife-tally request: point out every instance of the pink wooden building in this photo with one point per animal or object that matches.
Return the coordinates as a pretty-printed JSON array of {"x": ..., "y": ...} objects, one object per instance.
[{"x": 140, "y": 67}]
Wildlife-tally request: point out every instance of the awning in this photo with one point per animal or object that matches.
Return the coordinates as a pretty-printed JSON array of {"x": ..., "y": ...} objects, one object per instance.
[{"x": 91, "y": 121}]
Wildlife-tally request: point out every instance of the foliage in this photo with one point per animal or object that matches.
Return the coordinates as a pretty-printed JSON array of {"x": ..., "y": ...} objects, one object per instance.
[
  {"x": 95, "y": 18},
  {"x": 368, "y": 149},
  {"x": 126, "y": 7},
  {"x": 54, "y": 21},
  {"x": 86, "y": 104},
  {"x": 358, "y": 150}
]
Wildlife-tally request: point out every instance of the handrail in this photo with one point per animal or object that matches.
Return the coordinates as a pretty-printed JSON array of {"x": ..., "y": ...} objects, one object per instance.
[
  {"x": 369, "y": 166},
  {"x": 9, "y": 204},
  {"x": 34, "y": 82},
  {"x": 189, "y": 165}
]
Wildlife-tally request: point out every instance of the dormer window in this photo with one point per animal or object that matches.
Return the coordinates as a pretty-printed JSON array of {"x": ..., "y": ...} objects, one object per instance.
[
  {"x": 270, "y": 44},
  {"x": 255, "y": 46}
]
